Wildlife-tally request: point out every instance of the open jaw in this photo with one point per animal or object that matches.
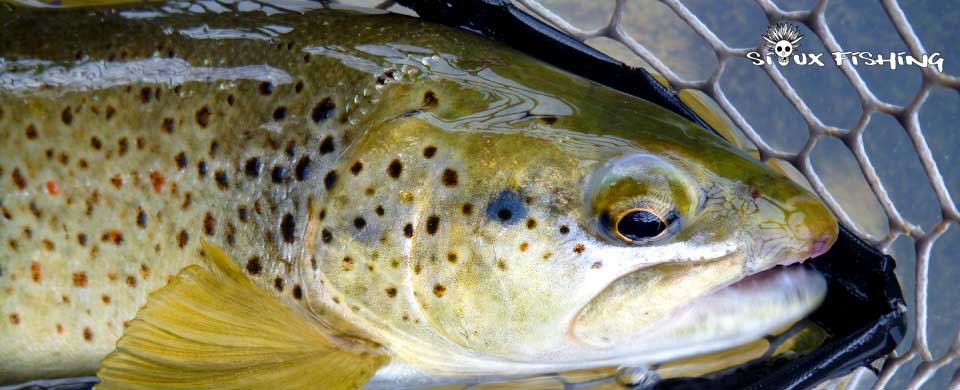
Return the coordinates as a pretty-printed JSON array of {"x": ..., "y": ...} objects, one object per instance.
[{"x": 715, "y": 319}]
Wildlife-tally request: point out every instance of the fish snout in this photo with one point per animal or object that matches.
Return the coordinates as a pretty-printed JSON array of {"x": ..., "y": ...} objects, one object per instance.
[
  {"x": 792, "y": 231},
  {"x": 819, "y": 224}
]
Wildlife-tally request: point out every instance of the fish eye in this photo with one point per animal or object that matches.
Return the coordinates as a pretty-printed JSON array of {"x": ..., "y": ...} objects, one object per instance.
[{"x": 638, "y": 225}]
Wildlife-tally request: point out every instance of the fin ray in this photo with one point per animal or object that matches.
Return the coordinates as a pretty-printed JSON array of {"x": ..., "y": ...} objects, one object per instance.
[{"x": 214, "y": 329}]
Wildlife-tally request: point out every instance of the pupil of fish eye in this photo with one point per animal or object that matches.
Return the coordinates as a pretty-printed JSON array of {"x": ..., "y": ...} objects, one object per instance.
[{"x": 640, "y": 225}]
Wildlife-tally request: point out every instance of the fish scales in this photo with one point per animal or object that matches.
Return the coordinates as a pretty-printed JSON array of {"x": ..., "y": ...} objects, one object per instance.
[
  {"x": 108, "y": 192},
  {"x": 385, "y": 178}
]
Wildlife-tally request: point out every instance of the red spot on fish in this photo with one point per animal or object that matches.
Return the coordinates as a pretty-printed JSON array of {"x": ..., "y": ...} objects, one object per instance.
[
  {"x": 52, "y": 187},
  {"x": 113, "y": 235},
  {"x": 80, "y": 279},
  {"x": 157, "y": 180},
  {"x": 35, "y": 272}
]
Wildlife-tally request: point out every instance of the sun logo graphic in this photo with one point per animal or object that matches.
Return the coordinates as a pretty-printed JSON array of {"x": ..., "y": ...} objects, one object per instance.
[{"x": 782, "y": 39}]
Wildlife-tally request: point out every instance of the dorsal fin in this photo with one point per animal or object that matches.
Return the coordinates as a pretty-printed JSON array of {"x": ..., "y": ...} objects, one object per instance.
[{"x": 214, "y": 329}]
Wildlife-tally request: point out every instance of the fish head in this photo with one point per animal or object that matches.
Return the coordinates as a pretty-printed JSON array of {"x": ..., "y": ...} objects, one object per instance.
[
  {"x": 593, "y": 230},
  {"x": 579, "y": 253},
  {"x": 698, "y": 237}
]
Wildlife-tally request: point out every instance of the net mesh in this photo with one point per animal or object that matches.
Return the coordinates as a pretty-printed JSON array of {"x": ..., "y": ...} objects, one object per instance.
[{"x": 925, "y": 362}]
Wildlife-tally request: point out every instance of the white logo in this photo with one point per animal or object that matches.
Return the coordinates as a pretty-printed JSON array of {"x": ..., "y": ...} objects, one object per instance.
[{"x": 782, "y": 40}]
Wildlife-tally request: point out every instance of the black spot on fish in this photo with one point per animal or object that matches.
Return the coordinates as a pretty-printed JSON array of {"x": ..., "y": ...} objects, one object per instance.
[
  {"x": 322, "y": 110},
  {"x": 265, "y": 88},
  {"x": 467, "y": 209},
  {"x": 18, "y": 179},
  {"x": 429, "y": 151},
  {"x": 182, "y": 238},
  {"x": 276, "y": 174},
  {"x": 31, "y": 132},
  {"x": 252, "y": 167},
  {"x": 507, "y": 208},
  {"x": 181, "y": 160},
  {"x": 167, "y": 125},
  {"x": 122, "y": 146},
  {"x": 145, "y": 94},
  {"x": 253, "y": 266},
  {"x": 356, "y": 168},
  {"x": 433, "y": 223},
  {"x": 449, "y": 178},
  {"x": 299, "y": 87},
  {"x": 330, "y": 180},
  {"x": 564, "y": 229},
  {"x": 327, "y": 146},
  {"x": 359, "y": 223},
  {"x": 395, "y": 168},
  {"x": 291, "y": 148},
  {"x": 203, "y": 116},
  {"x": 379, "y": 210},
  {"x": 326, "y": 236},
  {"x": 408, "y": 230},
  {"x": 297, "y": 292},
  {"x": 95, "y": 143},
  {"x": 279, "y": 113},
  {"x": 66, "y": 116},
  {"x": 531, "y": 223},
  {"x": 242, "y": 213},
  {"x": 209, "y": 222},
  {"x": 430, "y": 99},
  {"x": 278, "y": 284},
  {"x": 302, "y": 170},
  {"x": 287, "y": 228},
  {"x": 141, "y": 218},
  {"x": 221, "y": 178}
]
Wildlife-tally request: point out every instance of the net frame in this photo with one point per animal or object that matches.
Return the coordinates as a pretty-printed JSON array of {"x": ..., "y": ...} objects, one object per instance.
[{"x": 907, "y": 116}]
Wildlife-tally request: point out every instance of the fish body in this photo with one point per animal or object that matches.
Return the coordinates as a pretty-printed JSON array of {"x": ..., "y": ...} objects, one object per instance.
[{"x": 454, "y": 206}]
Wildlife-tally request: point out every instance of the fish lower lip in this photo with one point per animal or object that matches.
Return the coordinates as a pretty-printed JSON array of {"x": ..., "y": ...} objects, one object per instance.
[
  {"x": 746, "y": 309},
  {"x": 732, "y": 315}
]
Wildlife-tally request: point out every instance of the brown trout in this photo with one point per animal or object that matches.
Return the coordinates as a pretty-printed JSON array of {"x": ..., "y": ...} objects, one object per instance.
[{"x": 254, "y": 197}]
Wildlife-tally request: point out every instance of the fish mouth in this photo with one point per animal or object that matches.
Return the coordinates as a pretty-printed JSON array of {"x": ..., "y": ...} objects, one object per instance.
[
  {"x": 746, "y": 310},
  {"x": 723, "y": 317}
]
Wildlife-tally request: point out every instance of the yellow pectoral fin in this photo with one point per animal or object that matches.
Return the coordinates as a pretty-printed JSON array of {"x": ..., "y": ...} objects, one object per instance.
[{"x": 216, "y": 330}]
